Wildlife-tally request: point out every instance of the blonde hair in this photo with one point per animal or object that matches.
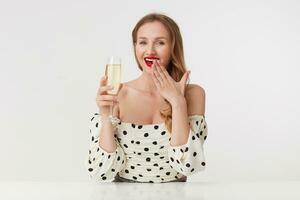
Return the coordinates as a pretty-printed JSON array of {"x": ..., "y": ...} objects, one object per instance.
[{"x": 176, "y": 67}]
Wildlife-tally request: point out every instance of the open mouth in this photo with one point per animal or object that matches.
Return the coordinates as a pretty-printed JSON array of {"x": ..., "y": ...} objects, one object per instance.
[{"x": 149, "y": 61}]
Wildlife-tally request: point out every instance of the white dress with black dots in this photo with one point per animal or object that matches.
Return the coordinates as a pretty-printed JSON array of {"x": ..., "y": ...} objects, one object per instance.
[{"x": 144, "y": 153}]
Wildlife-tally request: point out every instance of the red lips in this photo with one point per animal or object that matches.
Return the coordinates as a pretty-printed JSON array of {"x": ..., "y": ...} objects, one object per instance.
[{"x": 149, "y": 60}]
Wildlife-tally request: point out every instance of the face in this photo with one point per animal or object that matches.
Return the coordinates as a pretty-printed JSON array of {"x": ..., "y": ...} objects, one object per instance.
[{"x": 153, "y": 42}]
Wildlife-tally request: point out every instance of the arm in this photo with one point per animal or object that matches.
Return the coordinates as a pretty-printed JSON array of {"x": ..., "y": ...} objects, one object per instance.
[
  {"x": 103, "y": 165},
  {"x": 188, "y": 158}
]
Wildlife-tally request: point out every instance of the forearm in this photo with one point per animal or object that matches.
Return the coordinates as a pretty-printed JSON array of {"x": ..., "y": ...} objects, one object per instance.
[
  {"x": 106, "y": 139},
  {"x": 180, "y": 123}
]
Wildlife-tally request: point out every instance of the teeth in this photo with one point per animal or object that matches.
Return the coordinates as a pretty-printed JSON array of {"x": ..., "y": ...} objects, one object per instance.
[{"x": 150, "y": 59}]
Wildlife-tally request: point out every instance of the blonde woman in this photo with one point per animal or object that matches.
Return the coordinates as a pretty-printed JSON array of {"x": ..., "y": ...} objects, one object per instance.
[{"x": 161, "y": 129}]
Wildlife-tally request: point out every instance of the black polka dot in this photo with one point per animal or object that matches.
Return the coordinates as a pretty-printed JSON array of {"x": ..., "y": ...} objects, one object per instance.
[
  {"x": 98, "y": 149},
  {"x": 197, "y": 123},
  {"x": 100, "y": 164},
  {"x": 155, "y": 164},
  {"x": 140, "y": 175},
  {"x": 90, "y": 152},
  {"x": 126, "y": 171},
  {"x": 161, "y": 168},
  {"x": 156, "y": 154},
  {"x": 186, "y": 149},
  {"x": 187, "y": 165},
  {"x": 120, "y": 123},
  {"x": 181, "y": 150},
  {"x": 192, "y": 170},
  {"x": 94, "y": 159},
  {"x": 132, "y": 141},
  {"x": 90, "y": 169},
  {"x": 125, "y": 145},
  {"x": 134, "y": 177},
  {"x": 124, "y": 132},
  {"x": 148, "y": 169},
  {"x": 155, "y": 143},
  {"x": 201, "y": 132},
  {"x": 163, "y": 133},
  {"x": 204, "y": 137},
  {"x": 140, "y": 126},
  {"x": 93, "y": 138},
  {"x": 193, "y": 137},
  {"x": 146, "y": 134},
  {"x": 97, "y": 125},
  {"x": 103, "y": 178},
  {"x": 137, "y": 142},
  {"x": 102, "y": 174},
  {"x": 155, "y": 127},
  {"x": 203, "y": 163},
  {"x": 172, "y": 159},
  {"x": 132, "y": 167},
  {"x": 194, "y": 154},
  {"x": 90, "y": 162},
  {"x": 168, "y": 173},
  {"x": 178, "y": 161},
  {"x": 133, "y": 125},
  {"x": 96, "y": 141},
  {"x": 113, "y": 170},
  {"x": 204, "y": 127},
  {"x": 108, "y": 156},
  {"x": 157, "y": 176},
  {"x": 138, "y": 164},
  {"x": 118, "y": 158},
  {"x": 162, "y": 147},
  {"x": 122, "y": 161},
  {"x": 139, "y": 153},
  {"x": 198, "y": 136},
  {"x": 92, "y": 118},
  {"x": 146, "y": 149},
  {"x": 151, "y": 182}
]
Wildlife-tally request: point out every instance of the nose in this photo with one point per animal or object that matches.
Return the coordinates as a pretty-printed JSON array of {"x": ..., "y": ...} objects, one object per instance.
[{"x": 151, "y": 49}]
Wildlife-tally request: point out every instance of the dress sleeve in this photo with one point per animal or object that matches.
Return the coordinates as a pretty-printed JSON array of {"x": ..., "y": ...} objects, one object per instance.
[
  {"x": 189, "y": 158},
  {"x": 102, "y": 165}
]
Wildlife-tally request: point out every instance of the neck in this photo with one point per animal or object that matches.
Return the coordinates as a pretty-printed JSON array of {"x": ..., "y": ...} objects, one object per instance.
[{"x": 146, "y": 83}]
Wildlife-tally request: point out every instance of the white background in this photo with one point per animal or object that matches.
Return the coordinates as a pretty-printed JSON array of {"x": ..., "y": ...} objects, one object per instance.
[{"x": 245, "y": 54}]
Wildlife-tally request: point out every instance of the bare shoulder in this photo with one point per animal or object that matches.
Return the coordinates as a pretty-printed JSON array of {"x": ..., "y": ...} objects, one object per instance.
[{"x": 195, "y": 98}]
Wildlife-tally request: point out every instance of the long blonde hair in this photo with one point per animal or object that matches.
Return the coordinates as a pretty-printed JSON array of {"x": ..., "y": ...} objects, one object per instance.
[{"x": 176, "y": 68}]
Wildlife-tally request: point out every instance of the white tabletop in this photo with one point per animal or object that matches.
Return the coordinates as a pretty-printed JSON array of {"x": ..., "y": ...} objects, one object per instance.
[{"x": 171, "y": 191}]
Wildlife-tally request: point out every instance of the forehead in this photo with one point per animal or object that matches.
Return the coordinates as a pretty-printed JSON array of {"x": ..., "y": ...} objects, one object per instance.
[{"x": 153, "y": 30}]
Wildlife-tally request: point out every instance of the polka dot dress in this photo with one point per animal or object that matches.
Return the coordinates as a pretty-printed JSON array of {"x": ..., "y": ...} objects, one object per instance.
[{"x": 144, "y": 153}]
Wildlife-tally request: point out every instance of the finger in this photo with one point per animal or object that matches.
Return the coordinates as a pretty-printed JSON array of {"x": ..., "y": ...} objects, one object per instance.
[
  {"x": 107, "y": 98},
  {"x": 104, "y": 89},
  {"x": 103, "y": 80},
  {"x": 165, "y": 72},
  {"x": 105, "y": 103},
  {"x": 160, "y": 71},
  {"x": 156, "y": 81},
  {"x": 158, "y": 78},
  {"x": 184, "y": 77}
]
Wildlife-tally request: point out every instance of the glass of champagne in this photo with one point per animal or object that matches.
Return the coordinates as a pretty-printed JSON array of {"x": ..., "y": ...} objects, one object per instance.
[{"x": 113, "y": 73}]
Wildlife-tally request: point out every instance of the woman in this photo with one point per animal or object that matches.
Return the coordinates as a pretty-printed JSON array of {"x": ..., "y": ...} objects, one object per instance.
[{"x": 161, "y": 129}]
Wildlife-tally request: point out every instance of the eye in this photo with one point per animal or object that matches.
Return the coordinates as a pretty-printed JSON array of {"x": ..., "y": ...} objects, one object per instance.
[
  {"x": 142, "y": 42},
  {"x": 161, "y": 43}
]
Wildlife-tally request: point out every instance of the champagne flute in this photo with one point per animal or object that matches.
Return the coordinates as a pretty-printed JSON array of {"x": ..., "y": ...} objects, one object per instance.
[{"x": 113, "y": 73}]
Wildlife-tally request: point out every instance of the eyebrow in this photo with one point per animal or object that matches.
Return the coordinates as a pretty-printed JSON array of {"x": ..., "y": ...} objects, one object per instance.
[{"x": 154, "y": 38}]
